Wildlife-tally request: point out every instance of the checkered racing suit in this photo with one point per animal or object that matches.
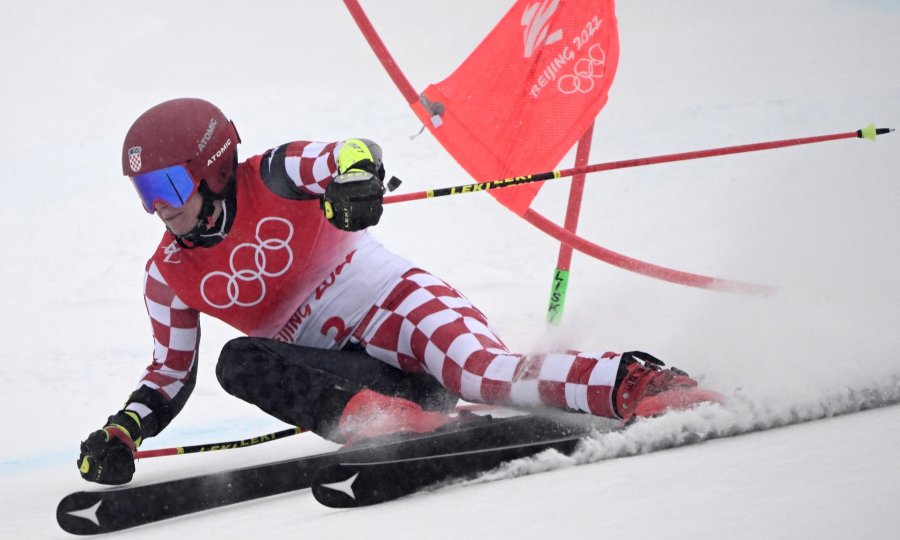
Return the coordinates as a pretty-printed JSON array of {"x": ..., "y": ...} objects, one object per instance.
[{"x": 400, "y": 314}]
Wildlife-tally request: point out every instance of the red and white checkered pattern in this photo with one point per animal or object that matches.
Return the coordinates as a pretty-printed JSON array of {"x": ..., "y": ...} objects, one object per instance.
[
  {"x": 176, "y": 335},
  {"x": 423, "y": 324},
  {"x": 311, "y": 165}
]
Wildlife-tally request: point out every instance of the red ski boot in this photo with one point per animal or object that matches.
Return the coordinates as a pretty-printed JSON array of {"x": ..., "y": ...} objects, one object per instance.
[
  {"x": 370, "y": 414},
  {"x": 645, "y": 389}
]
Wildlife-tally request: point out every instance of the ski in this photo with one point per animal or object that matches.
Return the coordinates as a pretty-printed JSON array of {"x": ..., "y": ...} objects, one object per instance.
[
  {"x": 349, "y": 485},
  {"x": 391, "y": 467},
  {"x": 103, "y": 511}
]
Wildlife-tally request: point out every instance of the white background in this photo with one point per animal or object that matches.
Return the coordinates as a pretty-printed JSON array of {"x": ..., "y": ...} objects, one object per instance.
[{"x": 818, "y": 222}]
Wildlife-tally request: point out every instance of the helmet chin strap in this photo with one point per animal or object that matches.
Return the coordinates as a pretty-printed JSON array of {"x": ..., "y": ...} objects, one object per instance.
[{"x": 207, "y": 232}]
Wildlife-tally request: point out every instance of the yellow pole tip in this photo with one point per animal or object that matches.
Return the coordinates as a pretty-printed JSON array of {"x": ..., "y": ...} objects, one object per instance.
[{"x": 868, "y": 132}]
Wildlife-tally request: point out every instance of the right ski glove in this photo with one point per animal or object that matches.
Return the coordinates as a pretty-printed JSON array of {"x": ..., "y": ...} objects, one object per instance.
[
  {"x": 107, "y": 455},
  {"x": 353, "y": 200}
]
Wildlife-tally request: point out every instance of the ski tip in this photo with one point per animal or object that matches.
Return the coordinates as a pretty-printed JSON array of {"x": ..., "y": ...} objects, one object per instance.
[
  {"x": 871, "y": 132},
  {"x": 79, "y": 513}
]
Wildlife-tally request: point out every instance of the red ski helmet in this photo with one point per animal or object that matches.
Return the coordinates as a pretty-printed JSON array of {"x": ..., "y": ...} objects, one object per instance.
[{"x": 189, "y": 132}]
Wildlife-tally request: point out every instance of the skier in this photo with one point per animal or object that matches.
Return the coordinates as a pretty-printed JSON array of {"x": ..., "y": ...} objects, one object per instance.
[{"x": 344, "y": 338}]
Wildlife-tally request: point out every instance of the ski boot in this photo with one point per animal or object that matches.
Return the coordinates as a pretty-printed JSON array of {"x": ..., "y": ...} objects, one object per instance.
[{"x": 644, "y": 388}]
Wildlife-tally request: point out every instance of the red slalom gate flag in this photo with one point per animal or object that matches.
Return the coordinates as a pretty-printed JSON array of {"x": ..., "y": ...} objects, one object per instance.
[{"x": 527, "y": 93}]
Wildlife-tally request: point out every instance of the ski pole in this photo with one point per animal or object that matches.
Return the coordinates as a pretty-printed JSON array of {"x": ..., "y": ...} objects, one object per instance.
[
  {"x": 177, "y": 450},
  {"x": 217, "y": 446},
  {"x": 869, "y": 132}
]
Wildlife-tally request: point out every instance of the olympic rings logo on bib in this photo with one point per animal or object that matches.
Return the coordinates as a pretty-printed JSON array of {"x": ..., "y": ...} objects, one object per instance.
[{"x": 250, "y": 263}]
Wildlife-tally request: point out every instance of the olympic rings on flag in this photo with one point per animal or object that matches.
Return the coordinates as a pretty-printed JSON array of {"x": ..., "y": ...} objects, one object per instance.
[{"x": 584, "y": 72}]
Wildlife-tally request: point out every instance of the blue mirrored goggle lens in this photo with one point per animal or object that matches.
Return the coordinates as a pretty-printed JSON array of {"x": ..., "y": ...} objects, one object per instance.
[{"x": 172, "y": 185}]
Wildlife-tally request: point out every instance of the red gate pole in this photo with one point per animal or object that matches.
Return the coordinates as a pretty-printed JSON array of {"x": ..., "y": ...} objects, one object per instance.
[{"x": 560, "y": 284}]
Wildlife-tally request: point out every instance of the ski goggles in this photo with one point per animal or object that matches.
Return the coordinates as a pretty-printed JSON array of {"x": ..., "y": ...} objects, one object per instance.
[{"x": 171, "y": 185}]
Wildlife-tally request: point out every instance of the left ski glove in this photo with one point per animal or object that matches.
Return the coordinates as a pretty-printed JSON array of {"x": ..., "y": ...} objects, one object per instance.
[
  {"x": 107, "y": 455},
  {"x": 353, "y": 200}
]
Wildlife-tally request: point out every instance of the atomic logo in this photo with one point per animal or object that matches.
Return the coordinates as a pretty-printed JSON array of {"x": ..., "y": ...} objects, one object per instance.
[
  {"x": 244, "y": 286},
  {"x": 208, "y": 135},
  {"x": 89, "y": 513},
  {"x": 535, "y": 19},
  {"x": 345, "y": 486},
  {"x": 584, "y": 72}
]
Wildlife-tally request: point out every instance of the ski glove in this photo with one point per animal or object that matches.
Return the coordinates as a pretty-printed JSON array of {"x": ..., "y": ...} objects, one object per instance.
[
  {"x": 353, "y": 200},
  {"x": 107, "y": 455}
]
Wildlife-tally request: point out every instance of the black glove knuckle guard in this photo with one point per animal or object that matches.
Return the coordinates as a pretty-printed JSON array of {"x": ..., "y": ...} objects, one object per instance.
[
  {"x": 355, "y": 205},
  {"x": 105, "y": 460}
]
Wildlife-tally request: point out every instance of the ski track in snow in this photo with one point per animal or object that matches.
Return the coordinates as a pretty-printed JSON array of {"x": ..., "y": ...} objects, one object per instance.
[{"x": 738, "y": 416}]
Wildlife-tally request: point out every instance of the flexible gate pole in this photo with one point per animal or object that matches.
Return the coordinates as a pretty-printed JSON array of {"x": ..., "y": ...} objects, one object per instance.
[{"x": 559, "y": 286}]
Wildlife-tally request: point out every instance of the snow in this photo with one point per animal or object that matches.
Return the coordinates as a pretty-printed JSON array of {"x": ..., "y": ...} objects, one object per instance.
[{"x": 819, "y": 222}]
